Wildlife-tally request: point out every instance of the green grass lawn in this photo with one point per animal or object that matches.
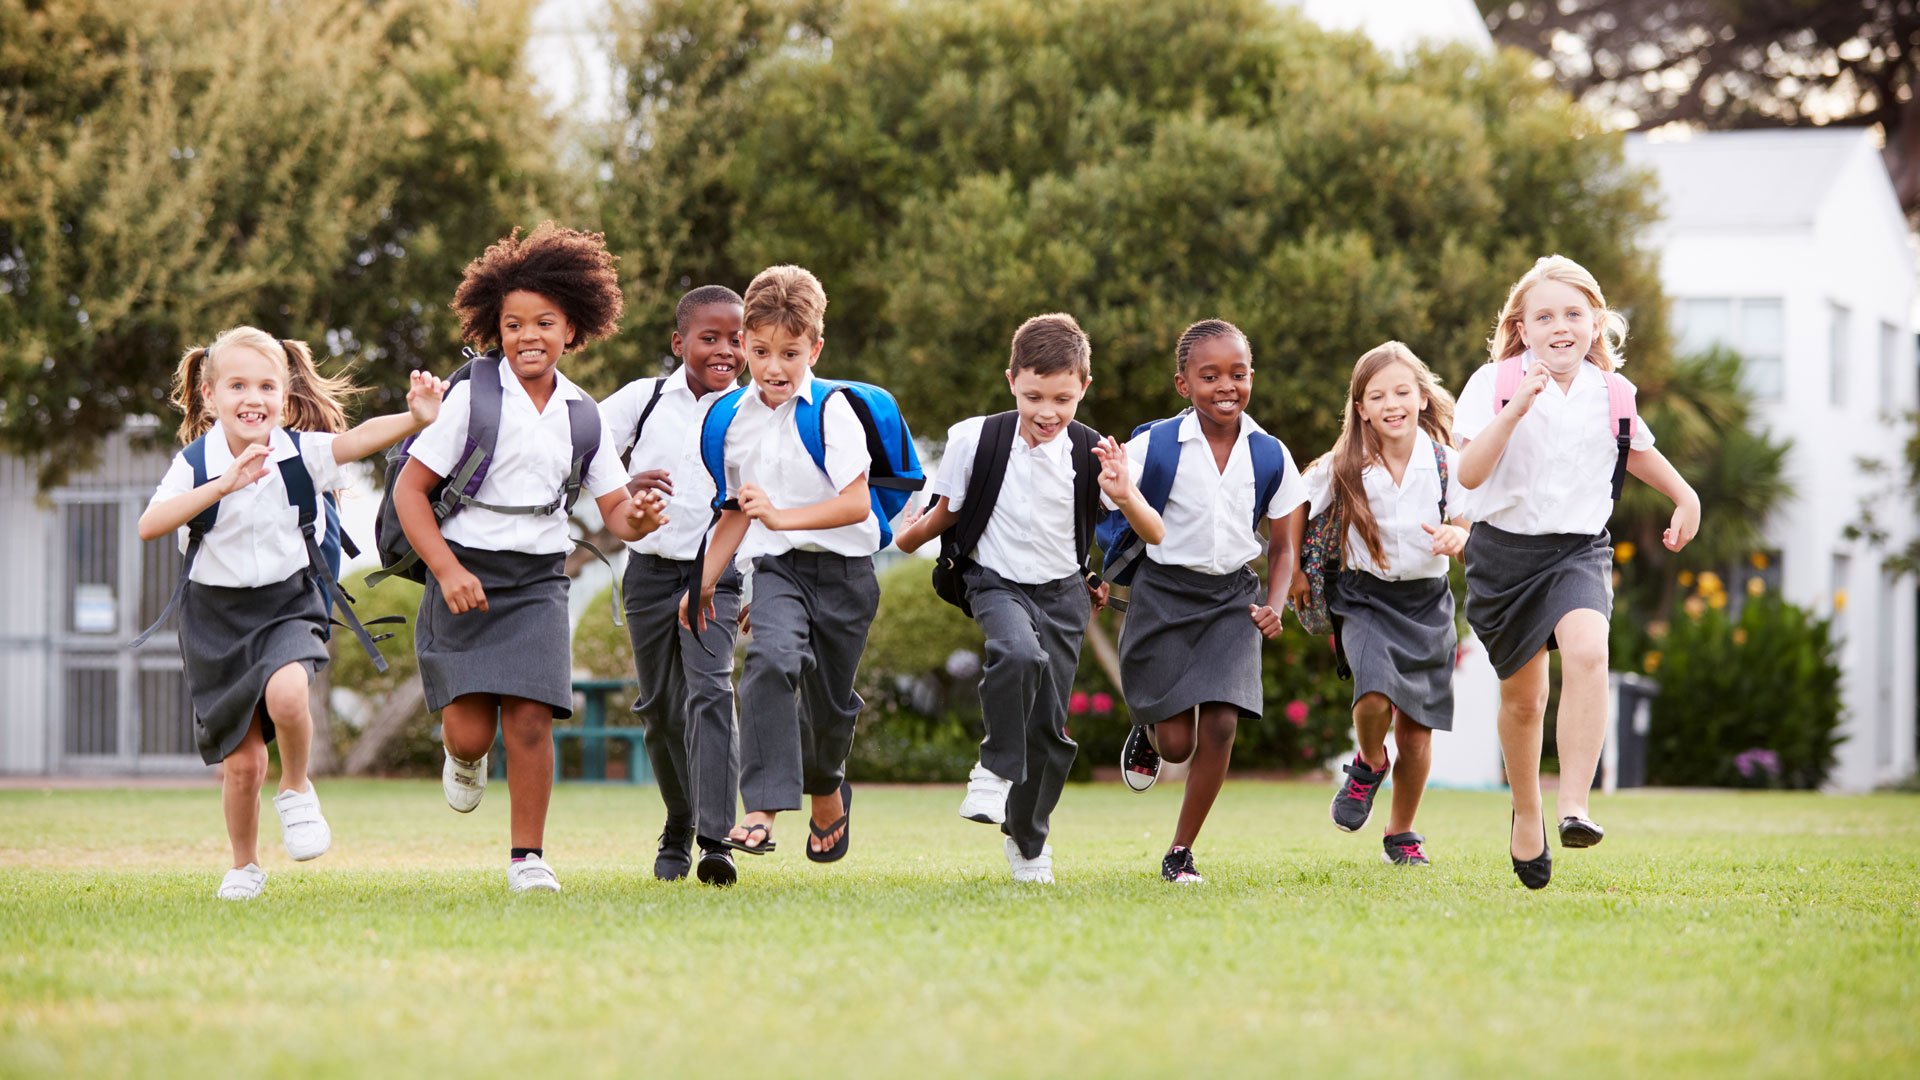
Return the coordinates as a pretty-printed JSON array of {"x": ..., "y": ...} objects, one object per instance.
[{"x": 1757, "y": 934}]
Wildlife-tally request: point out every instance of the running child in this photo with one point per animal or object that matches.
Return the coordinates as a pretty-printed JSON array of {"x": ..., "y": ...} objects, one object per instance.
[
  {"x": 266, "y": 438},
  {"x": 1548, "y": 432},
  {"x": 1390, "y": 478}
]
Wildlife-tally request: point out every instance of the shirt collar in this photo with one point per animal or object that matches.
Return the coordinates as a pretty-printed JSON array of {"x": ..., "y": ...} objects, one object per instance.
[
  {"x": 1190, "y": 427},
  {"x": 220, "y": 454},
  {"x": 1058, "y": 450},
  {"x": 510, "y": 385}
]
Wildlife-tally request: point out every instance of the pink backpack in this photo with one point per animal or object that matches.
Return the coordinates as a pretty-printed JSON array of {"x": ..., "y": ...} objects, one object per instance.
[{"x": 1622, "y": 415}]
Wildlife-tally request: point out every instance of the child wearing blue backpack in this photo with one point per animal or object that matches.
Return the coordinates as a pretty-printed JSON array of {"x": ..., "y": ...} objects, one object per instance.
[
  {"x": 807, "y": 473},
  {"x": 1190, "y": 648},
  {"x": 250, "y": 496}
]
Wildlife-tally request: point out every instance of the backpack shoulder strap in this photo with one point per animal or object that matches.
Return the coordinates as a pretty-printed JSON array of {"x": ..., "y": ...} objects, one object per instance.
[
  {"x": 196, "y": 455},
  {"x": 1622, "y": 415},
  {"x": 1269, "y": 463},
  {"x": 299, "y": 484},
  {"x": 810, "y": 419},
  {"x": 1086, "y": 492},
  {"x": 990, "y": 457},
  {"x": 659, "y": 387},
  {"x": 1506, "y": 382},
  {"x": 1163, "y": 462},
  {"x": 583, "y": 422},
  {"x": 713, "y": 444}
]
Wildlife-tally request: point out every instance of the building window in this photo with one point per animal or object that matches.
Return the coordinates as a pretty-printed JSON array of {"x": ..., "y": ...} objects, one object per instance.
[
  {"x": 1837, "y": 594},
  {"x": 1890, "y": 399},
  {"x": 1753, "y": 327},
  {"x": 1839, "y": 327}
]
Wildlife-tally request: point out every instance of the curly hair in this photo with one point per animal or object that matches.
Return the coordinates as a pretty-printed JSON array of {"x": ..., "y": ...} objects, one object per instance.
[{"x": 572, "y": 268}]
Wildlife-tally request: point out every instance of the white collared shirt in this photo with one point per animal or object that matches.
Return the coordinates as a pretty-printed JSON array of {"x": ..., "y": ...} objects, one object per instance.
[
  {"x": 1029, "y": 535},
  {"x": 255, "y": 539},
  {"x": 764, "y": 449},
  {"x": 1399, "y": 511},
  {"x": 1209, "y": 514},
  {"x": 1556, "y": 473},
  {"x": 671, "y": 441},
  {"x": 531, "y": 460}
]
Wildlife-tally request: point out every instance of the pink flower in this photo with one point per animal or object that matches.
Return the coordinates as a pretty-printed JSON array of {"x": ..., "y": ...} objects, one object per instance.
[
  {"x": 1103, "y": 703},
  {"x": 1077, "y": 704},
  {"x": 1296, "y": 711}
]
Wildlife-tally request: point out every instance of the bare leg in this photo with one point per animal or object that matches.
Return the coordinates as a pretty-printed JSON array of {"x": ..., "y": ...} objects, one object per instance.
[
  {"x": 1415, "y": 742},
  {"x": 1372, "y": 716},
  {"x": 527, "y": 729},
  {"x": 1175, "y": 738},
  {"x": 1215, "y": 730},
  {"x": 467, "y": 725},
  {"x": 240, "y": 778},
  {"x": 1523, "y": 710},
  {"x": 1581, "y": 729},
  {"x": 288, "y": 703}
]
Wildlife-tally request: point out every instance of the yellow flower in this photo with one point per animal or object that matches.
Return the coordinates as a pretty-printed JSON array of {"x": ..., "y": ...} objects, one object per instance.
[
  {"x": 1652, "y": 662},
  {"x": 1710, "y": 582},
  {"x": 1657, "y": 630},
  {"x": 1686, "y": 579},
  {"x": 1739, "y": 635},
  {"x": 1759, "y": 560},
  {"x": 1839, "y": 600},
  {"x": 1717, "y": 601},
  {"x": 1756, "y": 587},
  {"x": 1623, "y": 551},
  {"x": 1695, "y": 607}
]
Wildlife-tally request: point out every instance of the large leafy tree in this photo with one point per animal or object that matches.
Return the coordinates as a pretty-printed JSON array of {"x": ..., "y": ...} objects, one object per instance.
[
  {"x": 169, "y": 168},
  {"x": 950, "y": 168}
]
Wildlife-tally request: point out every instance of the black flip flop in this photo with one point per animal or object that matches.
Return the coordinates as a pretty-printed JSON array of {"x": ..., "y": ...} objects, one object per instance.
[
  {"x": 839, "y": 850},
  {"x": 765, "y": 845}
]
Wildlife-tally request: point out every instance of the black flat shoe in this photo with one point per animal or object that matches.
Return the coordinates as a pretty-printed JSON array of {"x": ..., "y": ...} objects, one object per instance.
[
  {"x": 675, "y": 856},
  {"x": 1579, "y": 832},
  {"x": 1534, "y": 873},
  {"x": 716, "y": 868}
]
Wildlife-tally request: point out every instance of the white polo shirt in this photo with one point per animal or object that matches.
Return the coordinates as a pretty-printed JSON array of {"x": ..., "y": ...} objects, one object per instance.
[
  {"x": 764, "y": 449},
  {"x": 1029, "y": 535},
  {"x": 1398, "y": 509},
  {"x": 255, "y": 539},
  {"x": 1209, "y": 514},
  {"x": 1556, "y": 473},
  {"x": 531, "y": 459},
  {"x": 670, "y": 441}
]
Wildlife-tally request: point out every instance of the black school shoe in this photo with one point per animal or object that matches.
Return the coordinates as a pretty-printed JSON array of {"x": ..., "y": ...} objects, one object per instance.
[
  {"x": 1577, "y": 832},
  {"x": 1139, "y": 761},
  {"x": 1534, "y": 873},
  {"x": 675, "y": 856},
  {"x": 1403, "y": 849},
  {"x": 1353, "y": 803},
  {"x": 716, "y": 867},
  {"x": 1177, "y": 867}
]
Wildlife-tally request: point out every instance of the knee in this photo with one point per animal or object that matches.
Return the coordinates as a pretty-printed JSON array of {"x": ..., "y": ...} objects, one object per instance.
[
  {"x": 1414, "y": 740},
  {"x": 1174, "y": 741},
  {"x": 1022, "y": 654},
  {"x": 1217, "y": 728},
  {"x": 286, "y": 695},
  {"x": 247, "y": 766},
  {"x": 1584, "y": 655},
  {"x": 1372, "y": 707},
  {"x": 526, "y": 730},
  {"x": 782, "y": 658}
]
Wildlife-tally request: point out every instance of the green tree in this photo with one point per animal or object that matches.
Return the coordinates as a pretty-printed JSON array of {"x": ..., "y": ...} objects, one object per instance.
[{"x": 169, "y": 168}]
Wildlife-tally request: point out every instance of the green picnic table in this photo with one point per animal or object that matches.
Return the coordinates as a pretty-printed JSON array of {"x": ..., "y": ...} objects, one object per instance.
[{"x": 592, "y": 732}]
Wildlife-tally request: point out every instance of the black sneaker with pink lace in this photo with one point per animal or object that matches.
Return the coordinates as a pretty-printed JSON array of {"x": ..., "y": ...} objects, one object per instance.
[
  {"x": 1353, "y": 803},
  {"x": 1177, "y": 867},
  {"x": 1403, "y": 849}
]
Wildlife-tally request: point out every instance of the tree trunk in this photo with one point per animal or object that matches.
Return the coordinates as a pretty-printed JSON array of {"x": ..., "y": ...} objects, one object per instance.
[
  {"x": 391, "y": 718},
  {"x": 322, "y": 761},
  {"x": 1104, "y": 652}
]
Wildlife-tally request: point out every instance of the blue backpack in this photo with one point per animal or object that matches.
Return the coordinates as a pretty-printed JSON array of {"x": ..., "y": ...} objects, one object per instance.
[
  {"x": 324, "y": 546},
  {"x": 893, "y": 476},
  {"x": 1121, "y": 548}
]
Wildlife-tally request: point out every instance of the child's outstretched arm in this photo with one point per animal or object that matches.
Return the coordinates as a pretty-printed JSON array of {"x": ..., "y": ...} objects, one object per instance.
[
  {"x": 372, "y": 436},
  {"x": 1284, "y": 577},
  {"x": 1125, "y": 495},
  {"x": 850, "y": 507},
  {"x": 721, "y": 547},
  {"x": 1482, "y": 453},
  {"x": 163, "y": 517},
  {"x": 1653, "y": 467},
  {"x": 922, "y": 526},
  {"x": 460, "y": 588},
  {"x": 632, "y": 516}
]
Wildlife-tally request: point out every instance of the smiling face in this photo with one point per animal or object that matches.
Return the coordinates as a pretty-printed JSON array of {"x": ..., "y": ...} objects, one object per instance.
[
  {"x": 711, "y": 347},
  {"x": 1557, "y": 323},
  {"x": 779, "y": 361},
  {"x": 247, "y": 392},
  {"x": 533, "y": 334},
  {"x": 1046, "y": 402},
  {"x": 1392, "y": 402},
  {"x": 1218, "y": 379}
]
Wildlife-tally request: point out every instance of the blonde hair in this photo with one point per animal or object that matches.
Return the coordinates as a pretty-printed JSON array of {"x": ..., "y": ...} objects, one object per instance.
[
  {"x": 1610, "y": 327},
  {"x": 788, "y": 297},
  {"x": 314, "y": 402},
  {"x": 1359, "y": 445}
]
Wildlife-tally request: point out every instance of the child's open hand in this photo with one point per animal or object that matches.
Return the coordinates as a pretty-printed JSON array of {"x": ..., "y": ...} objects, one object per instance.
[
  {"x": 646, "y": 511},
  {"x": 652, "y": 480},
  {"x": 1113, "y": 468},
  {"x": 249, "y": 466},
  {"x": 1531, "y": 387},
  {"x": 698, "y": 624},
  {"x": 1266, "y": 619},
  {"x": 755, "y": 504},
  {"x": 1683, "y": 528},
  {"x": 424, "y": 391},
  {"x": 1448, "y": 540}
]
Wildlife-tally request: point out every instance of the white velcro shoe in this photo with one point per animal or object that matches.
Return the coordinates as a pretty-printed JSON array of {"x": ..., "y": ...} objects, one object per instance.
[
  {"x": 302, "y": 828},
  {"x": 986, "y": 800},
  {"x": 242, "y": 883},
  {"x": 1035, "y": 871},
  {"x": 531, "y": 874},
  {"x": 463, "y": 781}
]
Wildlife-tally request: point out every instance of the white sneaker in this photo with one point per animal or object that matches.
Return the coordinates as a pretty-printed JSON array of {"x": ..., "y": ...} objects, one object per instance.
[
  {"x": 1038, "y": 871},
  {"x": 302, "y": 828},
  {"x": 986, "y": 800},
  {"x": 242, "y": 883},
  {"x": 463, "y": 781},
  {"x": 531, "y": 874}
]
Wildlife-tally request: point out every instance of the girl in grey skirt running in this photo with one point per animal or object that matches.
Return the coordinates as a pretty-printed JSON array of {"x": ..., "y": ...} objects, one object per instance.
[
  {"x": 1190, "y": 647},
  {"x": 254, "y": 606},
  {"x": 1547, "y": 433},
  {"x": 1389, "y": 479}
]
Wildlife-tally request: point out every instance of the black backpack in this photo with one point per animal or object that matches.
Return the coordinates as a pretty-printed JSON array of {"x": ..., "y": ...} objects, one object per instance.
[{"x": 983, "y": 490}]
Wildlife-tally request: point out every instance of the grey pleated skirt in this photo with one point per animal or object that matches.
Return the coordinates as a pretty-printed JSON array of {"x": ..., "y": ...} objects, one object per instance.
[
  {"x": 1188, "y": 640},
  {"x": 521, "y": 646},
  {"x": 233, "y": 640},
  {"x": 1519, "y": 587},
  {"x": 1398, "y": 638}
]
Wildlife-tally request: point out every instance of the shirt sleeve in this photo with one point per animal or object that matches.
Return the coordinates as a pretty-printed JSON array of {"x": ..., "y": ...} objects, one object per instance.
[
  {"x": 604, "y": 474},
  {"x": 177, "y": 481},
  {"x": 846, "y": 443},
  {"x": 1642, "y": 434},
  {"x": 1293, "y": 490},
  {"x": 1136, "y": 465},
  {"x": 1319, "y": 481},
  {"x": 956, "y": 462},
  {"x": 438, "y": 447},
  {"x": 1474, "y": 410},
  {"x": 316, "y": 453},
  {"x": 621, "y": 411}
]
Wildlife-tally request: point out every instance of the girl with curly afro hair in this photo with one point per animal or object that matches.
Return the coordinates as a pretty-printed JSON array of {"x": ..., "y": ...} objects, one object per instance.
[{"x": 493, "y": 634}]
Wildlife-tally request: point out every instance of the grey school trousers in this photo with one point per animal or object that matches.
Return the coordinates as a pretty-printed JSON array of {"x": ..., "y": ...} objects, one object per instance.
[
  {"x": 1033, "y": 648},
  {"x": 810, "y": 615},
  {"x": 686, "y": 692}
]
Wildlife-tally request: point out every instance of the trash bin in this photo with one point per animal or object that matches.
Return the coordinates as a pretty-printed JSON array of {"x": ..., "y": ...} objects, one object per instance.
[{"x": 1624, "y": 764}]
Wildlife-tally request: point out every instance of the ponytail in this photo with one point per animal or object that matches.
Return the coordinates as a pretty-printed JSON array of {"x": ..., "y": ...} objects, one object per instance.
[
  {"x": 315, "y": 402},
  {"x": 196, "y": 416}
]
